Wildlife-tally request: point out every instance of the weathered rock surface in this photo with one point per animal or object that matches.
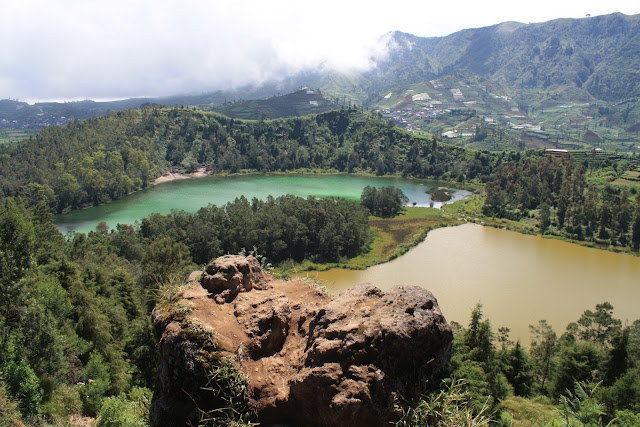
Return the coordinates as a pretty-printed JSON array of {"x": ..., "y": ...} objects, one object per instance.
[
  {"x": 399, "y": 331},
  {"x": 266, "y": 320},
  {"x": 229, "y": 275},
  {"x": 308, "y": 360}
]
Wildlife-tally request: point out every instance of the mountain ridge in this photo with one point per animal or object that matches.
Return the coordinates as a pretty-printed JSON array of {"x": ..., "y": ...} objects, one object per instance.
[{"x": 496, "y": 52}]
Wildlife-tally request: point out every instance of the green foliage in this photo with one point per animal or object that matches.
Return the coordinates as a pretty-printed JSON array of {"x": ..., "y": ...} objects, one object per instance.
[
  {"x": 582, "y": 405},
  {"x": 97, "y": 381},
  {"x": 599, "y": 326},
  {"x": 164, "y": 257},
  {"x": 627, "y": 418},
  {"x": 579, "y": 361},
  {"x": 17, "y": 241},
  {"x": 479, "y": 337},
  {"x": 385, "y": 202},
  {"x": 519, "y": 370},
  {"x": 448, "y": 407},
  {"x": 126, "y": 410},
  {"x": 24, "y": 385},
  {"x": 624, "y": 393},
  {"x": 64, "y": 401},
  {"x": 519, "y": 411},
  {"x": 286, "y": 227},
  {"x": 10, "y": 412},
  {"x": 585, "y": 354},
  {"x": 228, "y": 387},
  {"x": 476, "y": 386},
  {"x": 543, "y": 349}
]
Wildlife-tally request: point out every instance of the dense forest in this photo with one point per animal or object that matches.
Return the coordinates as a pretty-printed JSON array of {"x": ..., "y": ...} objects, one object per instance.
[
  {"x": 103, "y": 159},
  {"x": 564, "y": 202}
]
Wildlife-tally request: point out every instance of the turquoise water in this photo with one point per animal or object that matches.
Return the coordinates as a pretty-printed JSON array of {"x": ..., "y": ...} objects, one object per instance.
[{"x": 192, "y": 194}]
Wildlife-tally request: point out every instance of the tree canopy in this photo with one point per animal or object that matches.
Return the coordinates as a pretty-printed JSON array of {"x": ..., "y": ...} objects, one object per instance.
[{"x": 384, "y": 202}]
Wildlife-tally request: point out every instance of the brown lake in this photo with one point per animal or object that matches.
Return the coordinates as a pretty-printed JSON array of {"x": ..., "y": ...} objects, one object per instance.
[{"x": 519, "y": 279}]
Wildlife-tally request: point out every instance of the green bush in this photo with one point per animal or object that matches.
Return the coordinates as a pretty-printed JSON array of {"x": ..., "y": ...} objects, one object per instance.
[
  {"x": 24, "y": 385},
  {"x": 118, "y": 411},
  {"x": 65, "y": 401},
  {"x": 97, "y": 382},
  {"x": 9, "y": 411},
  {"x": 449, "y": 407}
]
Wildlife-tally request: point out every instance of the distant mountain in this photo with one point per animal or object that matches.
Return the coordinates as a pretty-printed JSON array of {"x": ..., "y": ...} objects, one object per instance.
[
  {"x": 515, "y": 85},
  {"x": 595, "y": 57},
  {"x": 299, "y": 103},
  {"x": 16, "y": 114}
]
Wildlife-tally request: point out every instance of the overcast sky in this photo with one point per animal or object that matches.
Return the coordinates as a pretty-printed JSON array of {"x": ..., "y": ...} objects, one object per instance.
[{"x": 86, "y": 49}]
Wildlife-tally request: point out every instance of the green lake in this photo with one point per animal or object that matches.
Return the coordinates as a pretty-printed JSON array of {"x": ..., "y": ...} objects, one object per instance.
[{"x": 192, "y": 194}]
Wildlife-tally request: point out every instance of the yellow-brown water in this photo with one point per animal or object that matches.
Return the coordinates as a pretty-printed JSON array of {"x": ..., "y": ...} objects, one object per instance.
[{"x": 519, "y": 279}]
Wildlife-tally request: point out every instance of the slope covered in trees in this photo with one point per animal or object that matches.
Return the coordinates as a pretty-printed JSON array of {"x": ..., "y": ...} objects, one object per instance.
[
  {"x": 103, "y": 159},
  {"x": 590, "y": 372},
  {"x": 558, "y": 194}
]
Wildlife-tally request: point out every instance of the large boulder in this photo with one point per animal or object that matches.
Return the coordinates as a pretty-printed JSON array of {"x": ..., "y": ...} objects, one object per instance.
[
  {"x": 307, "y": 360},
  {"x": 229, "y": 275},
  {"x": 400, "y": 331},
  {"x": 366, "y": 347},
  {"x": 266, "y": 321}
]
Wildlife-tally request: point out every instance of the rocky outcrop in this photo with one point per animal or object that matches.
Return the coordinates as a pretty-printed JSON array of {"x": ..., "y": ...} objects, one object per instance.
[
  {"x": 307, "y": 360},
  {"x": 229, "y": 275}
]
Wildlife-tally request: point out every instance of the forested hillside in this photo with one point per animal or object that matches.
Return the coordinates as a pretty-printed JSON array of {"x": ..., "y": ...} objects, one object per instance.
[
  {"x": 103, "y": 159},
  {"x": 557, "y": 193}
]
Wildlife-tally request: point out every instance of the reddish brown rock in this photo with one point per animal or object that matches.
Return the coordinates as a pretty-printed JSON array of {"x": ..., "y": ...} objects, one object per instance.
[
  {"x": 333, "y": 395},
  {"x": 229, "y": 275},
  {"x": 399, "y": 331},
  {"x": 266, "y": 321},
  {"x": 308, "y": 360}
]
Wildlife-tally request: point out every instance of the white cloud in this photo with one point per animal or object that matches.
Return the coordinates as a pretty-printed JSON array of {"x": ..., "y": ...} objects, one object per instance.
[{"x": 110, "y": 49}]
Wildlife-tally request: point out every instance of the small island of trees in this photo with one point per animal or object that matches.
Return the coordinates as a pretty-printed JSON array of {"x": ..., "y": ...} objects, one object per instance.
[{"x": 385, "y": 202}]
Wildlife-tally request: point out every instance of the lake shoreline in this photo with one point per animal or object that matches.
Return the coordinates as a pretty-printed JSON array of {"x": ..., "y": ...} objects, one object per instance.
[
  {"x": 175, "y": 176},
  {"x": 203, "y": 171}
]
